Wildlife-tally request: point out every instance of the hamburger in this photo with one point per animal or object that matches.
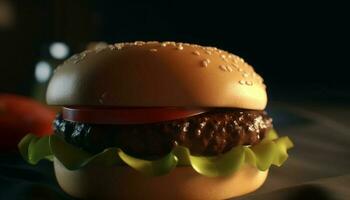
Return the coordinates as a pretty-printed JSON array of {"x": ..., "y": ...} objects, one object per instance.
[{"x": 158, "y": 120}]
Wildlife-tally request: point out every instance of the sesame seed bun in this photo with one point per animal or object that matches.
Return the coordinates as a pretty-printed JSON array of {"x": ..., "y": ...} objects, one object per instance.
[
  {"x": 121, "y": 182},
  {"x": 148, "y": 74}
]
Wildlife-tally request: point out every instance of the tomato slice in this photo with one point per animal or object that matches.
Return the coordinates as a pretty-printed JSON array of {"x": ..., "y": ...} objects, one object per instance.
[{"x": 126, "y": 115}]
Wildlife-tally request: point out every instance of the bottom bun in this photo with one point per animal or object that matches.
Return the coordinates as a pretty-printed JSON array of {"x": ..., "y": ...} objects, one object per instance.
[{"x": 122, "y": 182}]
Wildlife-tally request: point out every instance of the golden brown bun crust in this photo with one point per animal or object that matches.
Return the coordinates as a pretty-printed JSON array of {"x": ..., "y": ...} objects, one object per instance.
[
  {"x": 157, "y": 74},
  {"x": 122, "y": 182}
]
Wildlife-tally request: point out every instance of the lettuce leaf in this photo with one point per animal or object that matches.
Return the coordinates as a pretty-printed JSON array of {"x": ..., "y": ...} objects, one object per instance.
[{"x": 271, "y": 151}]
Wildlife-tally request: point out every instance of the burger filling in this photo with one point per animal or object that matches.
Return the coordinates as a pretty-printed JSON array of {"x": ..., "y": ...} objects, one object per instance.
[{"x": 207, "y": 134}]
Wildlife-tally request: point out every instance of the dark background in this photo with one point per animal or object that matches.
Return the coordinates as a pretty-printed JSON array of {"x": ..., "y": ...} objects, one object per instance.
[{"x": 300, "y": 48}]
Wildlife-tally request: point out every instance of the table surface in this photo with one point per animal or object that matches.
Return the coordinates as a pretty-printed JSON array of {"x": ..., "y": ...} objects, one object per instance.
[{"x": 318, "y": 167}]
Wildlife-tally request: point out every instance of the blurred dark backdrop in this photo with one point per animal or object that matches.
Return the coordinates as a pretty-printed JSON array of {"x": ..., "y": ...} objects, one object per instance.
[{"x": 301, "y": 49}]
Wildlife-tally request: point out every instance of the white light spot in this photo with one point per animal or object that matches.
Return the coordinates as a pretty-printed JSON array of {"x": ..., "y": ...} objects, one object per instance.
[
  {"x": 59, "y": 50},
  {"x": 43, "y": 71}
]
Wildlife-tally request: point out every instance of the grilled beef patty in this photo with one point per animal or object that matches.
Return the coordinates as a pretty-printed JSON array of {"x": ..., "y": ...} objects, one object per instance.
[{"x": 211, "y": 133}]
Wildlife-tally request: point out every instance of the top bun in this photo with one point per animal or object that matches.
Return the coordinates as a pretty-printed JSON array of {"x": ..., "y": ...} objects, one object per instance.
[{"x": 157, "y": 74}]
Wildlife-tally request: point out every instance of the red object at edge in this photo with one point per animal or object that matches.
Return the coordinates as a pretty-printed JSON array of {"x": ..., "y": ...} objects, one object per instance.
[{"x": 21, "y": 115}]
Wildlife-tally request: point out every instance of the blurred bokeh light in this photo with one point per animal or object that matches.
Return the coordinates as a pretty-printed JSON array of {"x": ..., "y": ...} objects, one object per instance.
[
  {"x": 59, "y": 50},
  {"x": 43, "y": 71}
]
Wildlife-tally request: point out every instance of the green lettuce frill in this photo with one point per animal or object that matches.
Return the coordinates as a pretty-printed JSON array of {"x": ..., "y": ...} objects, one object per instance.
[{"x": 271, "y": 151}]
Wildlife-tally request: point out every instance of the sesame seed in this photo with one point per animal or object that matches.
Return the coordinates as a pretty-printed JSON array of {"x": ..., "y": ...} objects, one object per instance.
[
  {"x": 171, "y": 43},
  {"x": 241, "y": 82},
  {"x": 118, "y": 46},
  {"x": 225, "y": 59},
  {"x": 208, "y": 52},
  {"x": 111, "y": 47},
  {"x": 98, "y": 50},
  {"x": 152, "y": 42},
  {"x": 89, "y": 51},
  {"x": 222, "y": 67},
  {"x": 196, "y": 53},
  {"x": 235, "y": 65},
  {"x": 180, "y": 47},
  {"x": 249, "y": 83},
  {"x": 164, "y": 44},
  {"x": 75, "y": 56},
  {"x": 139, "y": 43},
  {"x": 82, "y": 55},
  {"x": 153, "y": 50},
  {"x": 245, "y": 74},
  {"x": 76, "y": 61},
  {"x": 205, "y": 63}
]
